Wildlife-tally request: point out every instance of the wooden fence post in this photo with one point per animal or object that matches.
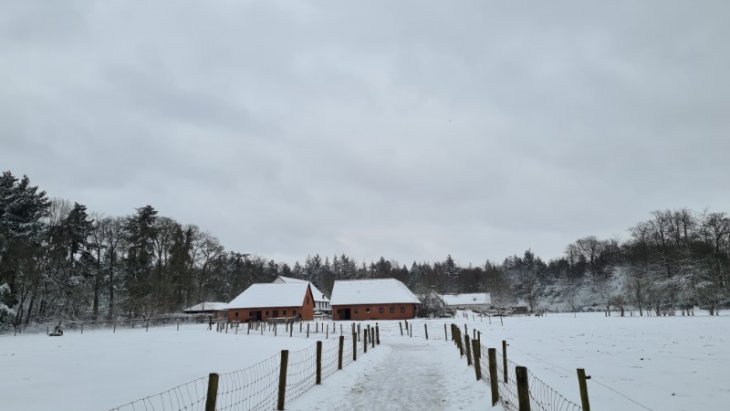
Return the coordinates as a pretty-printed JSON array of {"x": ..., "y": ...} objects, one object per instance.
[
  {"x": 358, "y": 332},
  {"x": 114, "y": 324},
  {"x": 377, "y": 333},
  {"x": 493, "y": 378},
  {"x": 282, "y": 379},
  {"x": 178, "y": 325},
  {"x": 523, "y": 390},
  {"x": 82, "y": 328},
  {"x": 354, "y": 346},
  {"x": 339, "y": 352},
  {"x": 147, "y": 327},
  {"x": 291, "y": 329},
  {"x": 327, "y": 333},
  {"x": 468, "y": 349},
  {"x": 300, "y": 327},
  {"x": 504, "y": 359},
  {"x": 582, "y": 377},
  {"x": 466, "y": 330},
  {"x": 425, "y": 328},
  {"x": 212, "y": 396},
  {"x": 275, "y": 327},
  {"x": 365, "y": 341},
  {"x": 307, "y": 330},
  {"x": 319, "y": 363},
  {"x": 401, "y": 327},
  {"x": 477, "y": 364},
  {"x": 372, "y": 337}
]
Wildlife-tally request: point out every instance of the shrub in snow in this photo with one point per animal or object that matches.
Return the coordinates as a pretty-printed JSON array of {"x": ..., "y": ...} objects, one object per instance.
[{"x": 7, "y": 315}]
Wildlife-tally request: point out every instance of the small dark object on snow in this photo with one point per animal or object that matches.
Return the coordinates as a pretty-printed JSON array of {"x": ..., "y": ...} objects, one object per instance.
[{"x": 57, "y": 331}]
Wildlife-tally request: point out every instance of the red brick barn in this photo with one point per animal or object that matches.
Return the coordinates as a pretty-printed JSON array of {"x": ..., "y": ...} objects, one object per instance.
[
  {"x": 265, "y": 301},
  {"x": 376, "y": 299}
]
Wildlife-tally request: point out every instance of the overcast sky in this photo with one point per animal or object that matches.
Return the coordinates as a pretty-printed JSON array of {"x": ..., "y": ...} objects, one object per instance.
[{"x": 409, "y": 129}]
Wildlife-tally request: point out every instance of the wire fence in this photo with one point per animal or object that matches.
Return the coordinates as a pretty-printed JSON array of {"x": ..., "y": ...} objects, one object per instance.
[
  {"x": 257, "y": 386},
  {"x": 188, "y": 396},
  {"x": 79, "y": 326},
  {"x": 542, "y": 397},
  {"x": 252, "y": 388}
]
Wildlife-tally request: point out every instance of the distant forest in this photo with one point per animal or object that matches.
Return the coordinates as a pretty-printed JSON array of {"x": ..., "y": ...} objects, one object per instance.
[{"x": 59, "y": 261}]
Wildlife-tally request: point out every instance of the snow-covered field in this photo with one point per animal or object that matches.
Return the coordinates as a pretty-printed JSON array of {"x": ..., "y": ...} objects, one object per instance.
[
  {"x": 657, "y": 363},
  {"x": 100, "y": 369},
  {"x": 661, "y": 363}
]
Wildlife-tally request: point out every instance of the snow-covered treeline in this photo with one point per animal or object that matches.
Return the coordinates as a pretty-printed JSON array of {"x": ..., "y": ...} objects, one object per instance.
[{"x": 59, "y": 261}]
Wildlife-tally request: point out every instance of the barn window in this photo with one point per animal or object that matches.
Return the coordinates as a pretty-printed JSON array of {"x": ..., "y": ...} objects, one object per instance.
[
  {"x": 392, "y": 310},
  {"x": 402, "y": 309},
  {"x": 356, "y": 310},
  {"x": 283, "y": 312},
  {"x": 381, "y": 310},
  {"x": 367, "y": 310},
  {"x": 236, "y": 313},
  {"x": 267, "y": 313}
]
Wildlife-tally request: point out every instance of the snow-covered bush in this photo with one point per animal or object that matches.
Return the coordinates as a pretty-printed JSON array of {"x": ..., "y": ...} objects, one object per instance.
[{"x": 7, "y": 315}]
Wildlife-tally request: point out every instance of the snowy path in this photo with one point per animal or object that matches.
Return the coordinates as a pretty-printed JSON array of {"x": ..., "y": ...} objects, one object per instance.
[{"x": 405, "y": 374}]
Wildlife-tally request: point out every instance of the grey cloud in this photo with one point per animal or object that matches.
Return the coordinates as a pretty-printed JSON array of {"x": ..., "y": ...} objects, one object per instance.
[{"x": 406, "y": 129}]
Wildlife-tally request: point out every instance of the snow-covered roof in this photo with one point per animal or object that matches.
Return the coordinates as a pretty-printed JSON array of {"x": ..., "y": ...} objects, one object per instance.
[
  {"x": 207, "y": 306},
  {"x": 467, "y": 299},
  {"x": 318, "y": 295},
  {"x": 271, "y": 295},
  {"x": 375, "y": 291}
]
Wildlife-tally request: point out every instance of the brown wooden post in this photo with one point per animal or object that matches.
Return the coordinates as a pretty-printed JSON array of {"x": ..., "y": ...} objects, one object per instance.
[
  {"x": 582, "y": 377},
  {"x": 300, "y": 327},
  {"x": 377, "y": 333},
  {"x": 372, "y": 337},
  {"x": 365, "y": 341},
  {"x": 327, "y": 333},
  {"x": 291, "y": 329},
  {"x": 115, "y": 327},
  {"x": 493, "y": 378},
  {"x": 339, "y": 352},
  {"x": 307, "y": 330},
  {"x": 354, "y": 346},
  {"x": 212, "y": 395},
  {"x": 523, "y": 390},
  {"x": 282, "y": 379},
  {"x": 401, "y": 327},
  {"x": 477, "y": 364},
  {"x": 319, "y": 363},
  {"x": 358, "y": 332},
  {"x": 446, "y": 333},
  {"x": 425, "y": 328},
  {"x": 468, "y": 349},
  {"x": 504, "y": 359},
  {"x": 466, "y": 330},
  {"x": 275, "y": 327}
]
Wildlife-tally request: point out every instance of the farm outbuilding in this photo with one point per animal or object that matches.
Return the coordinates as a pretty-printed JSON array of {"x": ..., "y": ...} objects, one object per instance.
[
  {"x": 467, "y": 301},
  {"x": 214, "y": 308},
  {"x": 273, "y": 300},
  {"x": 376, "y": 299},
  {"x": 321, "y": 302}
]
